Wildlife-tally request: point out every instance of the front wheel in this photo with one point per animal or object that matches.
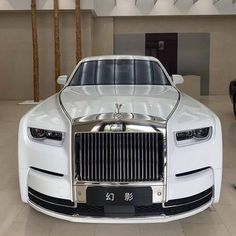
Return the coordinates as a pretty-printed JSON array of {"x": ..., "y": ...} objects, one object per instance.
[{"x": 234, "y": 106}]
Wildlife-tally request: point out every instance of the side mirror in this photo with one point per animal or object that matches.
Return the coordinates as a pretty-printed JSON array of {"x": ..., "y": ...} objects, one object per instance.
[
  {"x": 62, "y": 79},
  {"x": 177, "y": 79}
]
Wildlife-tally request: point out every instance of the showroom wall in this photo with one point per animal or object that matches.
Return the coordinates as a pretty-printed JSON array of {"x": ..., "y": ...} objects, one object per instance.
[
  {"x": 97, "y": 37},
  {"x": 193, "y": 52},
  {"x": 222, "y": 40},
  {"x": 194, "y": 57},
  {"x": 133, "y": 44},
  {"x": 16, "y": 51},
  {"x": 103, "y": 35}
]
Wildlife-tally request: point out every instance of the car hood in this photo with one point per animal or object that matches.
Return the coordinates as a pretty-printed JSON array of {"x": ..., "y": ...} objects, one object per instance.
[{"x": 158, "y": 101}]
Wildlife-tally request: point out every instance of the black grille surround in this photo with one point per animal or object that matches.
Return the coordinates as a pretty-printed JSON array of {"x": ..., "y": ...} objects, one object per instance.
[
  {"x": 119, "y": 156},
  {"x": 173, "y": 207}
]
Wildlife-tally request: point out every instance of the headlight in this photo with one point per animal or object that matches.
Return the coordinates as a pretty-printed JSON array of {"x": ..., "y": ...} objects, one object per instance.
[
  {"x": 46, "y": 136},
  {"x": 193, "y": 136}
]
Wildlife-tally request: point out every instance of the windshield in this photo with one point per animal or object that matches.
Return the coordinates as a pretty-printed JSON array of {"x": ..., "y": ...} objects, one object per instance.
[{"x": 122, "y": 72}]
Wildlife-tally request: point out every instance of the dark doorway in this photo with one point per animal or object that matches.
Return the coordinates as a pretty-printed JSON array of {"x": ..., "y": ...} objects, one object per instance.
[{"x": 163, "y": 46}]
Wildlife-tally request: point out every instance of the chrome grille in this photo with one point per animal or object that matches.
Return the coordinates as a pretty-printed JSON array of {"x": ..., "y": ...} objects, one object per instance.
[{"x": 119, "y": 157}]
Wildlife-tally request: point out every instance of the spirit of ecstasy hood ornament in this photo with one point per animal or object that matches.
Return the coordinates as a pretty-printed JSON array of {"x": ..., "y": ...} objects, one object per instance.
[{"x": 117, "y": 114}]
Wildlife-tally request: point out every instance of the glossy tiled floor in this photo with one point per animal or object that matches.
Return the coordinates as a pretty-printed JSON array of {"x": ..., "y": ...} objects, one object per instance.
[{"x": 19, "y": 219}]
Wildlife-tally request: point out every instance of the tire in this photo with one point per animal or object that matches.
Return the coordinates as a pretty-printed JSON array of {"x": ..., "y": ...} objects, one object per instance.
[{"x": 234, "y": 106}]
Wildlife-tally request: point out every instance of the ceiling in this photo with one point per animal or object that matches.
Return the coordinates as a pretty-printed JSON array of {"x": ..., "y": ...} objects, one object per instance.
[{"x": 133, "y": 7}]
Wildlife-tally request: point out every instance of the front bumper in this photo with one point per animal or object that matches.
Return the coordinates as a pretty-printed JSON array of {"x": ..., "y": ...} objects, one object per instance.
[
  {"x": 186, "y": 195},
  {"x": 172, "y": 210},
  {"x": 136, "y": 220}
]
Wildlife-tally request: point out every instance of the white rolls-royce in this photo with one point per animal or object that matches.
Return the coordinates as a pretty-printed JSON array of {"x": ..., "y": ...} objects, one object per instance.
[{"x": 120, "y": 144}]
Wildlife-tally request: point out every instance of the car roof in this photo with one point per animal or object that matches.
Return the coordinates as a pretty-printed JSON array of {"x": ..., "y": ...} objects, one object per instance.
[{"x": 119, "y": 57}]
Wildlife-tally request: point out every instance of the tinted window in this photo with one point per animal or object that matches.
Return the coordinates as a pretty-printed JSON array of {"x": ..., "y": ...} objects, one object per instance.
[
  {"x": 158, "y": 75},
  {"x": 124, "y": 72},
  {"x": 85, "y": 74},
  {"x": 105, "y": 72},
  {"x": 143, "y": 72}
]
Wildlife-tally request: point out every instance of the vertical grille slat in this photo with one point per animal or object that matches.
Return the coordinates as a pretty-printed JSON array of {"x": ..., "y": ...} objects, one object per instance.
[
  {"x": 155, "y": 151},
  {"x": 150, "y": 158},
  {"x": 128, "y": 172},
  {"x": 146, "y": 157},
  {"x": 123, "y": 159},
  {"x": 118, "y": 157},
  {"x": 95, "y": 158},
  {"x": 107, "y": 156},
  {"x": 153, "y": 157},
  {"x": 86, "y": 162},
  {"x": 137, "y": 167},
  {"x": 91, "y": 159},
  {"x": 98, "y": 158},
  {"x": 142, "y": 159}
]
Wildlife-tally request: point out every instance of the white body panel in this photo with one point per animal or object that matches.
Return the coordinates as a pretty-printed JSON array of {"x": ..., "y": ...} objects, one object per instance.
[
  {"x": 135, "y": 99},
  {"x": 180, "y": 113},
  {"x": 137, "y": 220}
]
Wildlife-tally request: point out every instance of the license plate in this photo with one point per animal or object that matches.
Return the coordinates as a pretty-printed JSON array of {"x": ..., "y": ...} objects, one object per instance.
[{"x": 104, "y": 196}]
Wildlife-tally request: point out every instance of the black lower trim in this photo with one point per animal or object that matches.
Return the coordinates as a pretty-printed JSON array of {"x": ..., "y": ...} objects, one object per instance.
[
  {"x": 173, "y": 207},
  {"x": 191, "y": 172},
  {"x": 46, "y": 198},
  {"x": 188, "y": 200},
  {"x": 52, "y": 207},
  {"x": 47, "y": 172},
  {"x": 157, "y": 209}
]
